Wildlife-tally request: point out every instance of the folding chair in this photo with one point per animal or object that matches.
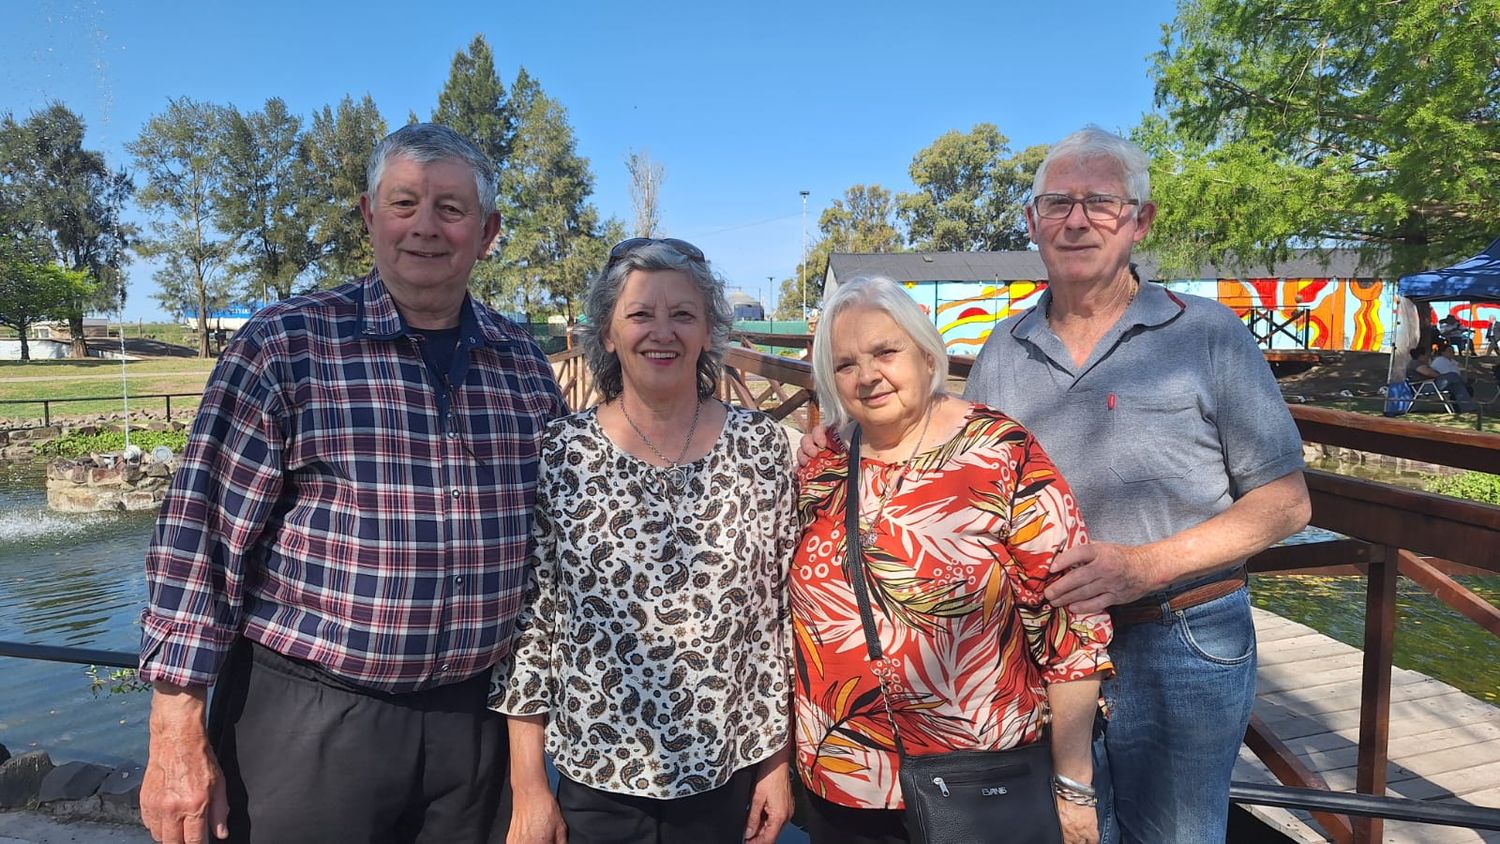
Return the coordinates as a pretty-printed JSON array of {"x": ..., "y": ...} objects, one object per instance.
[{"x": 1429, "y": 388}]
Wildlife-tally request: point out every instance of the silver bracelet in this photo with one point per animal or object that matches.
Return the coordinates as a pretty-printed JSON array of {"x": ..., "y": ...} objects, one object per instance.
[
  {"x": 1077, "y": 798},
  {"x": 1073, "y": 785}
]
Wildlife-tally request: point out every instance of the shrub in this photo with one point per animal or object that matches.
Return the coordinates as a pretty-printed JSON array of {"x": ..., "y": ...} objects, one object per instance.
[
  {"x": 1475, "y": 486},
  {"x": 77, "y": 445}
]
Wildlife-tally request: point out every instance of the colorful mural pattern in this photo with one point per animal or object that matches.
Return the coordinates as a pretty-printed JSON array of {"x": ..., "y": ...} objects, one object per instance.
[{"x": 1339, "y": 314}]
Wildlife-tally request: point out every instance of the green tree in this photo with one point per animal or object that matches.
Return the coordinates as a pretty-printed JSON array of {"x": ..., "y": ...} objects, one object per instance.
[
  {"x": 1327, "y": 122},
  {"x": 177, "y": 152},
  {"x": 863, "y": 220},
  {"x": 32, "y": 292},
  {"x": 550, "y": 226},
  {"x": 473, "y": 102},
  {"x": 68, "y": 196},
  {"x": 790, "y": 296},
  {"x": 338, "y": 147},
  {"x": 266, "y": 200},
  {"x": 970, "y": 192}
]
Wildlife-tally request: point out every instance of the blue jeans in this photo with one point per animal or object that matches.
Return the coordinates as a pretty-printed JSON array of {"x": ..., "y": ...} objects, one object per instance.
[{"x": 1179, "y": 704}]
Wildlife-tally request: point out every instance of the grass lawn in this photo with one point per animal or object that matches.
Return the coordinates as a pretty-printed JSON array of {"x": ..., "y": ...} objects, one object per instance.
[{"x": 72, "y": 379}]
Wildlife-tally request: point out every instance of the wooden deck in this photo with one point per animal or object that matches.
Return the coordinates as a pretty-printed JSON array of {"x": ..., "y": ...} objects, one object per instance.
[{"x": 1444, "y": 744}]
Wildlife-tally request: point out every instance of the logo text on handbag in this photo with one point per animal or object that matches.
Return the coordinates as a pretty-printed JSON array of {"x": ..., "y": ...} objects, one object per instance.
[{"x": 993, "y": 792}]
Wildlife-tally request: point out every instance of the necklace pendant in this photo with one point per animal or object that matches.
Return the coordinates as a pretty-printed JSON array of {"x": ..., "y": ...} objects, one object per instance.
[
  {"x": 867, "y": 538},
  {"x": 677, "y": 479}
]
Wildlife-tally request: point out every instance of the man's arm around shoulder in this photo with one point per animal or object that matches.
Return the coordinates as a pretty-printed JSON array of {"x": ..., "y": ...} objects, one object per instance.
[{"x": 1104, "y": 574}]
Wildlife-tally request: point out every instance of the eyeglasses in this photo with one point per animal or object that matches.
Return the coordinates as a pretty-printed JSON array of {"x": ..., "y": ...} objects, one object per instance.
[
  {"x": 1100, "y": 207},
  {"x": 630, "y": 244}
]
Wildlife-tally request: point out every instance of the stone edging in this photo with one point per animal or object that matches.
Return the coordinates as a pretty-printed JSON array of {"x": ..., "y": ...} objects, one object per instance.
[{"x": 80, "y": 791}]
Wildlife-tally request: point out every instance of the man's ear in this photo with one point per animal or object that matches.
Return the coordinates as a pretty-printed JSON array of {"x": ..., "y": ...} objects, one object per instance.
[
  {"x": 1144, "y": 217},
  {"x": 492, "y": 229}
]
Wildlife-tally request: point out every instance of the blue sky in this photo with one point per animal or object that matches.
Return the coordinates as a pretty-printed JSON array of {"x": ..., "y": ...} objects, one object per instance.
[{"x": 745, "y": 104}]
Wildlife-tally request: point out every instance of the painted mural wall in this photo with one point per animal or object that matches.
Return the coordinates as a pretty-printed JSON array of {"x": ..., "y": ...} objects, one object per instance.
[{"x": 1339, "y": 314}]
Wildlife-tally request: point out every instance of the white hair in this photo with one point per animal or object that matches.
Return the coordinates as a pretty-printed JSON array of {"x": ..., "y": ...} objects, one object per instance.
[
  {"x": 1094, "y": 144},
  {"x": 880, "y": 294}
]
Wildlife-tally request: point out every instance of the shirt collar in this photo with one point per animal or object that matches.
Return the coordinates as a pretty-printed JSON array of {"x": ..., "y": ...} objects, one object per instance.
[
  {"x": 1153, "y": 305},
  {"x": 380, "y": 320}
]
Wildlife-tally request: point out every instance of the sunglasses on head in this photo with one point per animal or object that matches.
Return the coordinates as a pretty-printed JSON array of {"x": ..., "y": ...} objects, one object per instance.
[{"x": 630, "y": 244}]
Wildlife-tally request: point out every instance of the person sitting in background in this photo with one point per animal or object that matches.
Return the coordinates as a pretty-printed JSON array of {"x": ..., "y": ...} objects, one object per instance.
[{"x": 1444, "y": 372}]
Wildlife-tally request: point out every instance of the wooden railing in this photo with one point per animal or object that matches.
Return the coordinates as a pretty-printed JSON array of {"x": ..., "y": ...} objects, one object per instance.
[{"x": 1389, "y": 530}]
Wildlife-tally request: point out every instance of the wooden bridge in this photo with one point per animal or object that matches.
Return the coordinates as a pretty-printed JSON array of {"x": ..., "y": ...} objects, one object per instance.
[{"x": 1338, "y": 732}]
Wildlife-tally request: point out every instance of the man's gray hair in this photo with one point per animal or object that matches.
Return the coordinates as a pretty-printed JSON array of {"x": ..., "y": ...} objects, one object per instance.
[
  {"x": 881, "y": 294},
  {"x": 425, "y": 143},
  {"x": 1093, "y": 144},
  {"x": 604, "y": 295}
]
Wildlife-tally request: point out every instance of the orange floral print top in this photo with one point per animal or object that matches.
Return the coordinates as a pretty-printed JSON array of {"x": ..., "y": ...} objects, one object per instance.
[{"x": 965, "y": 547}]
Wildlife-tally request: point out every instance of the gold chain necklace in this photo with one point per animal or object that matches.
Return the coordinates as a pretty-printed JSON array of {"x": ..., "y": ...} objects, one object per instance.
[
  {"x": 869, "y": 531},
  {"x": 675, "y": 473}
]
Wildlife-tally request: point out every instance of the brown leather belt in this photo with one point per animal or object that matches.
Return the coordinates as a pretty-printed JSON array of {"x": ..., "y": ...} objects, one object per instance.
[{"x": 1139, "y": 612}]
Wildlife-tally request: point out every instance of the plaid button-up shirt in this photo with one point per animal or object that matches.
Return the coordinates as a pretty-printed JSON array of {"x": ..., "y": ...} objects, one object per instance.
[{"x": 327, "y": 508}]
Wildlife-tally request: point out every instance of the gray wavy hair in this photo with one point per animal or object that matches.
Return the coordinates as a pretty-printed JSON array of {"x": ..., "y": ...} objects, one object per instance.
[
  {"x": 425, "y": 143},
  {"x": 604, "y": 295}
]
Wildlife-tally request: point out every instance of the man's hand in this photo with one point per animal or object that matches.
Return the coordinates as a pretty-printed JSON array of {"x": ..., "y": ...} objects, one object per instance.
[
  {"x": 182, "y": 792},
  {"x": 536, "y": 819},
  {"x": 1080, "y": 824},
  {"x": 813, "y": 442},
  {"x": 1101, "y": 575},
  {"x": 771, "y": 801}
]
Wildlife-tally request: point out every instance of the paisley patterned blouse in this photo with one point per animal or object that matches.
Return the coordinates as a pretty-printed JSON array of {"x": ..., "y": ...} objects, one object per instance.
[
  {"x": 964, "y": 549},
  {"x": 654, "y": 633}
]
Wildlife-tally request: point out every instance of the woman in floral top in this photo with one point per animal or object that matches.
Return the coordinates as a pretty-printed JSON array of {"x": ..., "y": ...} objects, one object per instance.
[{"x": 961, "y": 515}]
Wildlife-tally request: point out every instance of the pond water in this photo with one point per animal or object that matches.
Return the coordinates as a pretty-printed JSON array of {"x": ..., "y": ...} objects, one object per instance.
[
  {"x": 72, "y": 580},
  {"x": 77, "y": 580}
]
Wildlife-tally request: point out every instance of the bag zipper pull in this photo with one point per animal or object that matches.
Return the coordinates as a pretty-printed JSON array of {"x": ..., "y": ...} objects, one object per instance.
[{"x": 942, "y": 786}]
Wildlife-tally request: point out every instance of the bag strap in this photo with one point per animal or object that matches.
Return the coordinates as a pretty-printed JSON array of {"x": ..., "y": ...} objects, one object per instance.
[
  {"x": 855, "y": 558},
  {"x": 854, "y": 569}
]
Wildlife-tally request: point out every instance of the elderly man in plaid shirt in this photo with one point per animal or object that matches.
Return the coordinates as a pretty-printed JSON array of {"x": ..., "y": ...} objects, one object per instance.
[{"x": 341, "y": 552}]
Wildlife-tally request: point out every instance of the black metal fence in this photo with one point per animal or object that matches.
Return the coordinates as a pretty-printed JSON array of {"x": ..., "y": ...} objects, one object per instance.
[{"x": 47, "y": 403}]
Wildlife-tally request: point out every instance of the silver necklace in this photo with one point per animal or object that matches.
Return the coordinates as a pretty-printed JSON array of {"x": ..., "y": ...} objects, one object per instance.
[
  {"x": 869, "y": 531},
  {"x": 675, "y": 473}
]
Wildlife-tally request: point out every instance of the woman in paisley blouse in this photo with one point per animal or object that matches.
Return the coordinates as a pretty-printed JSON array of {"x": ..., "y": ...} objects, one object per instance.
[
  {"x": 652, "y": 653},
  {"x": 961, "y": 515}
]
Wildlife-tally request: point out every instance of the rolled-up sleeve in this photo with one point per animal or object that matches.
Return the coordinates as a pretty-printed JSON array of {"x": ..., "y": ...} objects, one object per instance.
[
  {"x": 1044, "y": 522},
  {"x": 1259, "y": 439},
  {"x": 211, "y": 523}
]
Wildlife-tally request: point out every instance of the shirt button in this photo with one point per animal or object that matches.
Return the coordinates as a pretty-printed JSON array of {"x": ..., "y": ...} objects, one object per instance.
[
  {"x": 444, "y": 668},
  {"x": 452, "y": 435},
  {"x": 455, "y": 492},
  {"x": 458, "y": 580}
]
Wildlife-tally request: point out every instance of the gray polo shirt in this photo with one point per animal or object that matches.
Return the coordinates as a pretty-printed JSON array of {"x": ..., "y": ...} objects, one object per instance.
[{"x": 1173, "y": 417}]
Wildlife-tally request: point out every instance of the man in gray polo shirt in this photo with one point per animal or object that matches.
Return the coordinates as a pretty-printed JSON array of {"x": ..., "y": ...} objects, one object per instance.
[{"x": 1164, "y": 418}]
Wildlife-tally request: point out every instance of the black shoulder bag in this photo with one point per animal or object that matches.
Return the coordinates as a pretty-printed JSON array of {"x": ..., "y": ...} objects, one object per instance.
[{"x": 960, "y": 795}]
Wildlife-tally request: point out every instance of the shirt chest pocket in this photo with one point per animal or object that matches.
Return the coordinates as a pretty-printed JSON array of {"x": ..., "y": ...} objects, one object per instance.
[{"x": 1156, "y": 436}]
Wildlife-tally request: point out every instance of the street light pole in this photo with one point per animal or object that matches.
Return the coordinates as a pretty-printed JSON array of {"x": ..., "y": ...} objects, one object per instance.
[{"x": 802, "y": 267}]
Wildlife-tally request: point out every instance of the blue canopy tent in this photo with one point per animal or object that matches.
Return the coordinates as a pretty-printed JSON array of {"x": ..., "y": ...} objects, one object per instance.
[{"x": 1474, "y": 280}]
